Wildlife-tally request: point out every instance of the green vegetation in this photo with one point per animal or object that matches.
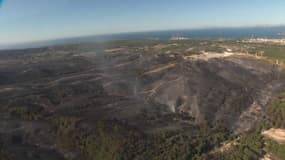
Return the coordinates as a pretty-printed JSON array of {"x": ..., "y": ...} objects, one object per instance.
[
  {"x": 276, "y": 113},
  {"x": 276, "y": 119},
  {"x": 72, "y": 128},
  {"x": 25, "y": 113},
  {"x": 270, "y": 51},
  {"x": 176, "y": 48},
  {"x": 215, "y": 48},
  {"x": 277, "y": 150},
  {"x": 113, "y": 141},
  {"x": 103, "y": 146},
  {"x": 249, "y": 147},
  {"x": 65, "y": 131},
  {"x": 274, "y": 52},
  {"x": 107, "y": 142},
  {"x": 176, "y": 145}
]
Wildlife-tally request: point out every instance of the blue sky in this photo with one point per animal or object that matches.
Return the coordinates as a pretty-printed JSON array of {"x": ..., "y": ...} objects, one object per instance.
[{"x": 31, "y": 20}]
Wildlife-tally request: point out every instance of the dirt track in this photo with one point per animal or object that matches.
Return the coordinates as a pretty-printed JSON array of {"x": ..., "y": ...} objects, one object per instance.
[{"x": 276, "y": 134}]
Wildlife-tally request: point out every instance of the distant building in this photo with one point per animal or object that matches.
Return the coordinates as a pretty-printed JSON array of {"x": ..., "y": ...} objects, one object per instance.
[{"x": 179, "y": 38}]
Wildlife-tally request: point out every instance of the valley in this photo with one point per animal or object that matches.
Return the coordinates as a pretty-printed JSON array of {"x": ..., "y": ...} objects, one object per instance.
[{"x": 142, "y": 100}]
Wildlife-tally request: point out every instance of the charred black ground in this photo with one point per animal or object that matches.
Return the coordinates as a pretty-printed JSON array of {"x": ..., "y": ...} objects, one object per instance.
[{"x": 141, "y": 99}]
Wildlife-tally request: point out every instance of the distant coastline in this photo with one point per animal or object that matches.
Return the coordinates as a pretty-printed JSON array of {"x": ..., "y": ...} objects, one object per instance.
[{"x": 276, "y": 32}]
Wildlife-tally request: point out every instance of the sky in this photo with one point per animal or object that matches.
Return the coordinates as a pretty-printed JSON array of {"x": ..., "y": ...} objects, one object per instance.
[{"x": 33, "y": 20}]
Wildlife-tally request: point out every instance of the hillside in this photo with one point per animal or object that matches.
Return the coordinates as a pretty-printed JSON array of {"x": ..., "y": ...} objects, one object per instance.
[{"x": 140, "y": 99}]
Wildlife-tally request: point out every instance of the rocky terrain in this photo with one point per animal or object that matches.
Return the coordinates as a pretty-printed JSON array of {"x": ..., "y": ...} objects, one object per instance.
[{"x": 119, "y": 100}]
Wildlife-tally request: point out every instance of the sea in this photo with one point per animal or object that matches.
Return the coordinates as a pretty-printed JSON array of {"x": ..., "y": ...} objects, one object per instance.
[{"x": 210, "y": 33}]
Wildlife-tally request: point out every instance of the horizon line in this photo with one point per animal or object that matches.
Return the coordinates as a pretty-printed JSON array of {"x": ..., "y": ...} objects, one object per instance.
[{"x": 140, "y": 31}]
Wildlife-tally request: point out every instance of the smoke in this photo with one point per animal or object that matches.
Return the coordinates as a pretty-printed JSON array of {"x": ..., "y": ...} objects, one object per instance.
[{"x": 118, "y": 71}]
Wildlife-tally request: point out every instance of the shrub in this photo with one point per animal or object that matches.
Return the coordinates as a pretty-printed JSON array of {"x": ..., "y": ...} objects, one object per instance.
[
  {"x": 277, "y": 150},
  {"x": 276, "y": 112},
  {"x": 25, "y": 113},
  {"x": 250, "y": 147}
]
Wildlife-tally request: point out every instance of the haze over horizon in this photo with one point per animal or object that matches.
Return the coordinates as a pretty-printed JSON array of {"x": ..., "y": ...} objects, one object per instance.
[{"x": 33, "y": 20}]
